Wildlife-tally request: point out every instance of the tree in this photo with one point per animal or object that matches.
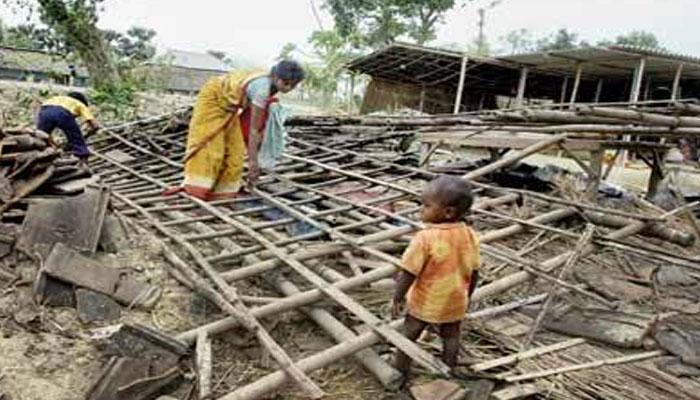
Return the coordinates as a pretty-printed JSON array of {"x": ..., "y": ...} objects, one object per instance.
[
  {"x": 375, "y": 23},
  {"x": 137, "y": 44},
  {"x": 331, "y": 52},
  {"x": 75, "y": 23},
  {"x": 29, "y": 36},
  {"x": 518, "y": 41},
  {"x": 561, "y": 40},
  {"x": 286, "y": 52},
  {"x": 424, "y": 16},
  {"x": 636, "y": 39}
]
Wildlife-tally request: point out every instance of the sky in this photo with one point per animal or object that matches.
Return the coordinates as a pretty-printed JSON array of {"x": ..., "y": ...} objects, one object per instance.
[{"x": 255, "y": 31}]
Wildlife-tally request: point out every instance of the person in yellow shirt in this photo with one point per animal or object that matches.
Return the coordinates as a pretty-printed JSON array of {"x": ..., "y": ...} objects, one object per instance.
[
  {"x": 61, "y": 112},
  {"x": 439, "y": 268}
]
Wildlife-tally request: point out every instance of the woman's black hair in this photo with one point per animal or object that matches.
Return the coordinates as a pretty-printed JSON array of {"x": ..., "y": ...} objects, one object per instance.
[
  {"x": 289, "y": 70},
  {"x": 80, "y": 97}
]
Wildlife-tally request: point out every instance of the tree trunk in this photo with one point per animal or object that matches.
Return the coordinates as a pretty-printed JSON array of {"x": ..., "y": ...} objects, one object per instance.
[{"x": 76, "y": 22}]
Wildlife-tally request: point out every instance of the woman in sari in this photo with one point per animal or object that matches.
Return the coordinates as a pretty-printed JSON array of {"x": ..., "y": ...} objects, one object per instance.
[{"x": 228, "y": 119}]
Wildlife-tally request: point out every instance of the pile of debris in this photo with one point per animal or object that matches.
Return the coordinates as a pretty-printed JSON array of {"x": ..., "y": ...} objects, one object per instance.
[
  {"x": 31, "y": 163},
  {"x": 582, "y": 297}
]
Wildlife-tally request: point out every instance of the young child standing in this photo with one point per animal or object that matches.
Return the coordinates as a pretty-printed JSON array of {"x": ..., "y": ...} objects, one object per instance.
[
  {"x": 440, "y": 267},
  {"x": 61, "y": 112}
]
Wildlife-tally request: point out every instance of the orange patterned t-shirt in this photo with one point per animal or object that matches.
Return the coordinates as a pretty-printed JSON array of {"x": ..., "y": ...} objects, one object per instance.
[{"x": 442, "y": 257}]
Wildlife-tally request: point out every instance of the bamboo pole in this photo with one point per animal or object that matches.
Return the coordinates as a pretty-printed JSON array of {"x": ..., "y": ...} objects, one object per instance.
[
  {"x": 276, "y": 380},
  {"x": 518, "y": 278},
  {"x": 653, "y": 229},
  {"x": 583, "y": 242},
  {"x": 229, "y": 302},
  {"x": 385, "y": 373},
  {"x": 522, "y": 84},
  {"x": 577, "y": 83},
  {"x": 677, "y": 82},
  {"x": 525, "y": 355},
  {"x": 593, "y": 364},
  {"x": 311, "y": 296},
  {"x": 460, "y": 88},
  {"x": 640, "y": 116},
  {"x": 515, "y": 157},
  {"x": 203, "y": 365}
]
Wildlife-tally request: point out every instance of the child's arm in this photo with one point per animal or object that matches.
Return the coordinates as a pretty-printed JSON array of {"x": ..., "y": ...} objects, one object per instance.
[{"x": 404, "y": 282}]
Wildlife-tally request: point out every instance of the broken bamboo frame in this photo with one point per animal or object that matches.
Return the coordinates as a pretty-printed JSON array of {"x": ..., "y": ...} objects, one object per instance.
[
  {"x": 514, "y": 157},
  {"x": 573, "y": 259}
]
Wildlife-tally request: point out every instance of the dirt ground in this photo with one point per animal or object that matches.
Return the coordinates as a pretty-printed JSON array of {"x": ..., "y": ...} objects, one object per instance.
[{"x": 48, "y": 353}]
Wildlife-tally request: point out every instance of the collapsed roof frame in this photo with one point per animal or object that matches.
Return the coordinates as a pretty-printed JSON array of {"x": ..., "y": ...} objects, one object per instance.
[
  {"x": 530, "y": 75},
  {"x": 140, "y": 170}
]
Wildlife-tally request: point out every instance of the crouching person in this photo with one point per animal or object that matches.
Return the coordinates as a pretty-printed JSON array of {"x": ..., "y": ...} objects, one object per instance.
[
  {"x": 61, "y": 112},
  {"x": 440, "y": 269}
]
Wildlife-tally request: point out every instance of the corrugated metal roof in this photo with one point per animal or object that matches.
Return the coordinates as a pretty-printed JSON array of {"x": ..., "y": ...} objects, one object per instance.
[
  {"x": 37, "y": 61},
  {"x": 609, "y": 61},
  {"x": 194, "y": 60}
]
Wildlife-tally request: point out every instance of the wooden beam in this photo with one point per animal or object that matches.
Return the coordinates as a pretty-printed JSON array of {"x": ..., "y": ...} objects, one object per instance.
[{"x": 460, "y": 88}]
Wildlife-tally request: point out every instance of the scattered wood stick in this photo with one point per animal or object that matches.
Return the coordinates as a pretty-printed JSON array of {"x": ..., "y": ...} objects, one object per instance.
[
  {"x": 573, "y": 259},
  {"x": 594, "y": 364}
]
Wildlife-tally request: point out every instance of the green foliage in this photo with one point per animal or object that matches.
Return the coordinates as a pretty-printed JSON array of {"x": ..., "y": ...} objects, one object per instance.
[
  {"x": 521, "y": 40},
  {"x": 33, "y": 37},
  {"x": 116, "y": 101},
  {"x": 332, "y": 52},
  {"x": 635, "y": 39},
  {"x": 561, "y": 40},
  {"x": 374, "y": 23},
  {"x": 286, "y": 52},
  {"x": 518, "y": 41},
  {"x": 136, "y": 45}
]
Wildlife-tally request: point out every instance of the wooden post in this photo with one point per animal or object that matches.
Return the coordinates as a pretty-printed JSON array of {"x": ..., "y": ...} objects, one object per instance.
[
  {"x": 577, "y": 83},
  {"x": 460, "y": 88},
  {"x": 596, "y": 167},
  {"x": 677, "y": 82},
  {"x": 520, "y": 97},
  {"x": 637, "y": 79},
  {"x": 598, "y": 91},
  {"x": 564, "y": 89}
]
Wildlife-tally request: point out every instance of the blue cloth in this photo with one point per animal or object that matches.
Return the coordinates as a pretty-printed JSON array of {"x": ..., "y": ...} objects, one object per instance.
[
  {"x": 258, "y": 91},
  {"x": 275, "y": 138},
  {"x": 52, "y": 117}
]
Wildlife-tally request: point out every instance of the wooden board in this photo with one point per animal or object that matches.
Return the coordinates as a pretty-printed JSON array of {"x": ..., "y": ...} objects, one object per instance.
[{"x": 74, "y": 221}]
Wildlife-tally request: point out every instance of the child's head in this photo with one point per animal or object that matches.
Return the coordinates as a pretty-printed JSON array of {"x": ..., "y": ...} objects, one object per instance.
[
  {"x": 446, "y": 199},
  {"x": 80, "y": 97}
]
